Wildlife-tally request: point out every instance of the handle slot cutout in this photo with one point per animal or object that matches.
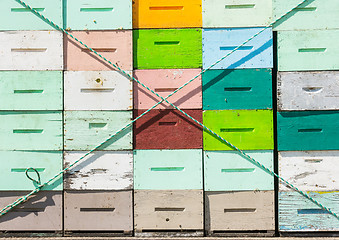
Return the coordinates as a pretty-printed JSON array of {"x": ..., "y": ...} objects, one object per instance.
[
  {"x": 310, "y": 130},
  {"x": 26, "y": 9},
  {"x": 236, "y": 129},
  {"x": 165, "y": 8},
  {"x": 28, "y": 49},
  {"x": 167, "y": 169},
  {"x": 28, "y": 130},
  {"x": 236, "y": 170},
  {"x": 239, "y": 6},
  {"x": 231, "y": 48},
  {"x": 311, "y": 50},
  {"x": 97, "y": 125},
  {"x": 167, "y": 123},
  {"x": 312, "y": 211},
  {"x": 97, "y": 209},
  {"x": 96, "y": 9},
  {"x": 29, "y": 91},
  {"x": 99, "y": 50},
  {"x": 240, "y": 210},
  {"x": 20, "y": 170},
  {"x": 238, "y": 89},
  {"x": 91, "y": 90},
  {"x": 305, "y": 9},
  {"x": 161, "y": 43},
  {"x": 312, "y": 89},
  {"x": 313, "y": 160},
  {"x": 168, "y": 209},
  {"x": 165, "y": 89}
]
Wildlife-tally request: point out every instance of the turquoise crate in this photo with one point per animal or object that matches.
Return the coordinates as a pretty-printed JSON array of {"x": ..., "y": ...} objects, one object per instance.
[
  {"x": 31, "y": 90},
  {"x": 168, "y": 169},
  {"x": 237, "y": 89},
  {"x": 15, "y": 163},
  {"x": 230, "y": 171},
  {"x": 31, "y": 130}
]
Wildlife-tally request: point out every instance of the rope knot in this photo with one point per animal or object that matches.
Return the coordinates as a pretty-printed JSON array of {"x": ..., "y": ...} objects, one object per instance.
[{"x": 38, "y": 181}]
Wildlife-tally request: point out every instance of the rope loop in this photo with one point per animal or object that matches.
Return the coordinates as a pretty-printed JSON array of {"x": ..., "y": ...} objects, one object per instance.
[{"x": 38, "y": 182}]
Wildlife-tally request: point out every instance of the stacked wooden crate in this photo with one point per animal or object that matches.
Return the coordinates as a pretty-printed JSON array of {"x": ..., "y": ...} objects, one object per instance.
[
  {"x": 237, "y": 104},
  {"x": 308, "y": 118}
]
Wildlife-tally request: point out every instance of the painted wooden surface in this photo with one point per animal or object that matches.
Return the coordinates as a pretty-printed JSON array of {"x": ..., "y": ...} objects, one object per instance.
[
  {"x": 164, "y": 82},
  {"x": 310, "y": 170},
  {"x": 42, "y": 212},
  {"x": 31, "y": 50},
  {"x": 31, "y": 90},
  {"x": 168, "y": 210},
  {"x": 167, "y": 129},
  {"x": 38, "y": 130},
  {"x": 239, "y": 211},
  {"x": 167, "y": 13},
  {"x": 84, "y": 130},
  {"x": 246, "y": 129},
  {"x": 105, "y": 170},
  {"x": 98, "y": 211},
  {"x": 308, "y": 90},
  {"x": 15, "y": 163},
  {"x": 168, "y": 169},
  {"x": 296, "y": 213},
  {"x": 313, "y": 14},
  {"x": 258, "y": 53},
  {"x": 97, "y": 90},
  {"x": 235, "y": 13},
  {"x": 167, "y": 48},
  {"x": 230, "y": 171},
  {"x": 99, "y": 14},
  {"x": 237, "y": 89},
  {"x": 13, "y": 16},
  {"x": 115, "y": 46},
  {"x": 308, "y": 50},
  {"x": 308, "y": 130}
]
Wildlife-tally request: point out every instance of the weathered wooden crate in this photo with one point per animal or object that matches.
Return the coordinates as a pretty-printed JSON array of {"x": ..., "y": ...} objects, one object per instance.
[
  {"x": 308, "y": 50},
  {"x": 237, "y": 89},
  {"x": 98, "y": 14},
  {"x": 308, "y": 91},
  {"x": 97, "y": 90},
  {"x": 38, "y": 130},
  {"x": 246, "y": 129},
  {"x": 168, "y": 169},
  {"x": 31, "y": 50},
  {"x": 167, "y": 48},
  {"x": 104, "y": 170},
  {"x": 308, "y": 130},
  {"x": 84, "y": 130},
  {"x": 164, "y": 82},
  {"x": 230, "y": 171},
  {"x": 168, "y": 210},
  {"x": 42, "y": 212},
  {"x": 235, "y": 13},
  {"x": 239, "y": 211},
  {"x": 298, "y": 214},
  {"x": 258, "y": 53},
  {"x": 13, "y": 16},
  {"x": 311, "y": 15},
  {"x": 167, "y": 129},
  {"x": 98, "y": 211},
  {"x": 167, "y": 13},
  {"x": 115, "y": 46}
]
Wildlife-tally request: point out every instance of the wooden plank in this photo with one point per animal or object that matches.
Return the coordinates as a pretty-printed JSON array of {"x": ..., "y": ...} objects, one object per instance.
[
  {"x": 42, "y": 212},
  {"x": 115, "y": 46},
  {"x": 167, "y": 13},
  {"x": 84, "y": 130},
  {"x": 246, "y": 129},
  {"x": 168, "y": 169},
  {"x": 167, "y": 129},
  {"x": 164, "y": 82},
  {"x": 309, "y": 170},
  {"x": 296, "y": 213},
  {"x": 237, "y": 89},
  {"x": 97, "y": 90},
  {"x": 236, "y": 13},
  {"x": 167, "y": 48},
  {"x": 98, "y": 211},
  {"x": 99, "y": 14},
  {"x": 258, "y": 53},
  {"x": 168, "y": 210},
  {"x": 39, "y": 130},
  {"x": 229, "y": 171},
  {"x": 105, "y": 170},
  {"x": 239, "y": 211},
  {"x": 308, "y": 130},
  {"x": 31, "y": 50}
]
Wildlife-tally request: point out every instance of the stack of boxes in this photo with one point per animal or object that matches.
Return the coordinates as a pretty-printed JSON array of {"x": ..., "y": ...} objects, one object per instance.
[{"x": 308, "y": 117}]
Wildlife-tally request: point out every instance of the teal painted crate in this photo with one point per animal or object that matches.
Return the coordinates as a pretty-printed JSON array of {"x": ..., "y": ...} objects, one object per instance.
[
  {"x": 14, "y": 164},
  {"x": 237, "y": 89},
  {"x": 31, "y": 90},
  {"x": 98, "y": 14},
  {"x": 31, "y": 130},
  {"x": 84, "y": 130},
  {"x": 13, "y": 16},
  {"x": 308, "y": 130},
  {"x": 168, "y": 169},
  {"x": 230, "y": 171}
]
